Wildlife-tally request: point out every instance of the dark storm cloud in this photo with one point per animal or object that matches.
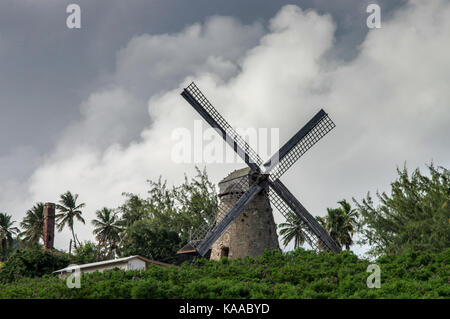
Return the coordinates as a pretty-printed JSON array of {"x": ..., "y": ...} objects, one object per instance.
[{"x": 47, "y": 70}]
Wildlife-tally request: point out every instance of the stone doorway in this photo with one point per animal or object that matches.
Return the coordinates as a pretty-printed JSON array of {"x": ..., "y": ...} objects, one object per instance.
[{"x": 224, "y": 252}]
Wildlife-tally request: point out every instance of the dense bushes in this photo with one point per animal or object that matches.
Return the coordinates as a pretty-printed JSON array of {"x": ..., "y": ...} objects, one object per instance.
[
  {"x": 297, "y": 274},
  {"x": 32, "y": 262},
  {"x": 414, "y": 216},
  {"x": 148, "y": 241}
]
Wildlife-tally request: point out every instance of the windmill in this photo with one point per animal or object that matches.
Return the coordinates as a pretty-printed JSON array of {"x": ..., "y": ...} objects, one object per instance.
[{"x": 262, "y": 178}]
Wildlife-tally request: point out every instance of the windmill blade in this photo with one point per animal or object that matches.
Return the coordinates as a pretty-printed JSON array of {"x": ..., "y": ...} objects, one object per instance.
[
  {"x": 301, "y": 142},
  {"x": 200, "y": 103},
  {"x": 286, "y": 203},
  {"x": 229, "y": 217}
]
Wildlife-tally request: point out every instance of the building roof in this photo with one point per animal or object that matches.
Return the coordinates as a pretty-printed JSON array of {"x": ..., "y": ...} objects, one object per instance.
[
  {"x": 109, "y": 262},
  {"x": 236, "y": 174},
  {"x": 188, "y": 248}
]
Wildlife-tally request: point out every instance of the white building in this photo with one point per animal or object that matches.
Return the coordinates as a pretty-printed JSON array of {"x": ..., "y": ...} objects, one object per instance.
[{"x": 125, "y": 263}]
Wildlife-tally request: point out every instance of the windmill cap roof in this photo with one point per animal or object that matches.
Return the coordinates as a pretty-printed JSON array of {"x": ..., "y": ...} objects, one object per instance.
[{"x": 236, "y": 174}]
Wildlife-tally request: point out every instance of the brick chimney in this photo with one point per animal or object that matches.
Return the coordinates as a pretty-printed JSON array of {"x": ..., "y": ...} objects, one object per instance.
[{"x": 49, "y": 225}]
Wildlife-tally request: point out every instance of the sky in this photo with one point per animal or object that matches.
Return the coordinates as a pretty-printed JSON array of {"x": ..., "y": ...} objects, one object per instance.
[{"x": 94, "y": 110}]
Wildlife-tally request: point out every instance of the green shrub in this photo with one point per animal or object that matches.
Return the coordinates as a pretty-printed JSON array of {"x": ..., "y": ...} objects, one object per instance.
[
  {"x": 32, "y": 262},
  {"x": 297, "y": 274}
]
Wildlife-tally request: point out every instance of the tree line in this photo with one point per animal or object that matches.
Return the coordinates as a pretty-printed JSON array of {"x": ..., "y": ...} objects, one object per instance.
[
  {"x": 415, "y": 215},
  {"x": 154, "y": 227}
]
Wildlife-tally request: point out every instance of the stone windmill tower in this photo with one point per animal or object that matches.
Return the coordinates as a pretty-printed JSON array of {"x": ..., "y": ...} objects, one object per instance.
[
  {"x": 244, "y": 223},
  {"x": 254, "y": 230}
]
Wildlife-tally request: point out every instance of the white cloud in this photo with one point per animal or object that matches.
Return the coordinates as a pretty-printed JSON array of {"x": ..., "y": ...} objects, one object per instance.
[{"x": 390, "y": 104}]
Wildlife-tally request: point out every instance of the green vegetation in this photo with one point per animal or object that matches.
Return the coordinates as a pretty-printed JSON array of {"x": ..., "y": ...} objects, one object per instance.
[
  {"x": 32, "y": 262},
  {"x": 408, "y": 232},
  {"x": 155, "y": 227},
  {"x": 416, "y": 216},
  {"x": 107, "y": 230},
  {"x": 89, "y": 252},
  {"x": 69, "y": 211},
  {"x": 292, "y": 230},
  {"x": 33, "y": 225},
  {"x": 7, "y": 231},
  {"x": 297, "y": 274},
  {"x": 340, "y": 223},
  {"x": 181, "y": 209},
  {"x": 164, "y": 243}
]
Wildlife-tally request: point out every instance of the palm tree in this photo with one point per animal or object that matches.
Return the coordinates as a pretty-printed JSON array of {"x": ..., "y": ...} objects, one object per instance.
[
  {"x": 340, "y": 223},
  {"x": 292, "y": 229},
  {"x": 7, "y": 231},
  {"x": 349, "y": 224},
  {"x": 33, "y": 224},
  {"x": 107, "y": 228},
  {"x": 69, "y": 211},
  {"x": 322, "y": 221}
]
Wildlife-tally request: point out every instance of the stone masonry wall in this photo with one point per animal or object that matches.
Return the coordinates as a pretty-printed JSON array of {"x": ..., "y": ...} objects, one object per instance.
[{"x": 251, "y": 233}]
